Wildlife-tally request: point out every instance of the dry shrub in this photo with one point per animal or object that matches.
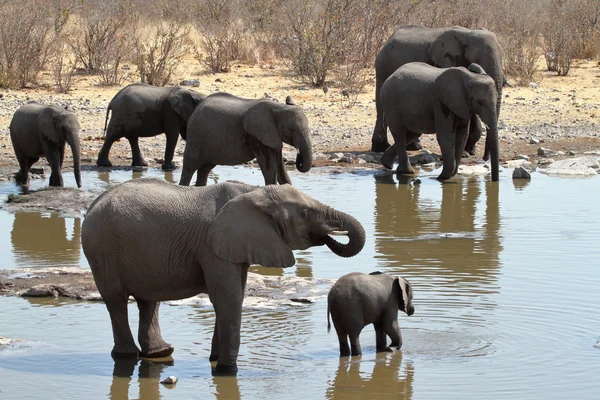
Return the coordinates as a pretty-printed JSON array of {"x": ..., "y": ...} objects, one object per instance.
[
  {"x": 63, "y": 69},
  {"x": 159, "y": 50},
  {"x": 27, "y": 30}
]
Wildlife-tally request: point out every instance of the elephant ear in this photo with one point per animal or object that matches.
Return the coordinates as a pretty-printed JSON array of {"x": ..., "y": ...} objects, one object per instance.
[
  {"x": 447, "y": 50},
  {"x": 47, "y": 125},
  {"x": 183, "y": 103},
  {"x": 242, "y": 232},
  {"x": 453, "y": 93},
  {"x": 405, "y": 295},
  {"x": 259, "y": 122}
]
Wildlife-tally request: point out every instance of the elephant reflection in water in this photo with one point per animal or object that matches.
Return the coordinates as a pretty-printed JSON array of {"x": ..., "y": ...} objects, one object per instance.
[
  {"x": 387, "y": 381},
  {"x": 150, "y": 373},
  {"x": 459, "y": 238},
  {"x": 44, "y": 241}
]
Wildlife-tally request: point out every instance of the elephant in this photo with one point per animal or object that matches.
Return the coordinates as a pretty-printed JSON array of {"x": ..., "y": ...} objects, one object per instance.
[
  {"x": 142, "y": 110},
  {"x": 357, "y": 300},
  {"x": 421, "y": 98},
  {"x": 38, "y": 130},
  {"x": 157, "y": 241},
  {"x": 440, "y": 47},
  {"x": 228, "y": 130}
]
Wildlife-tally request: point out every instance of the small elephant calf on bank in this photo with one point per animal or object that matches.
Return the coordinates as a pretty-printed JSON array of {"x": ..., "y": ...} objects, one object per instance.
[{"x": 357, "y": 300}]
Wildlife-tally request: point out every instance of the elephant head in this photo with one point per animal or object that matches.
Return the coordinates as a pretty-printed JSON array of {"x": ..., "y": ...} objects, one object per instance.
[
  {"x": 184, "y": 102},
  {"x": 466, "y": 93},
  {"x": 58, "y": 124},
  {"x": 264, "y": 226},
  {"x": 461, "y": 47},
  {"x": 274, "y": 124}
]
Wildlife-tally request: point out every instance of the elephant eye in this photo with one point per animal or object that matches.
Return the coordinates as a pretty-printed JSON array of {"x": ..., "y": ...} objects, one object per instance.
[{"x": 305, "y": 214}]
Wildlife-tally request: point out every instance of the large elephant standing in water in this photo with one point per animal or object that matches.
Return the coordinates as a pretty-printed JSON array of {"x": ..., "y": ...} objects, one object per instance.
[
  {"x": 440, "y": 47},
  {"x": 156, "y": 241}
]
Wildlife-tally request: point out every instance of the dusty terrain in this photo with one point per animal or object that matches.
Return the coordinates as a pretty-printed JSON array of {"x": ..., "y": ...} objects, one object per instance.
[{"x": 559, "y": 112}]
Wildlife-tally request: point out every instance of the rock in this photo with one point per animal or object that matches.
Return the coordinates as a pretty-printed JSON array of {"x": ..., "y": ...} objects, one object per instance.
[
  {"x": 579, "y": 166},
  {"x": 516, "y": 163},
  {"x": 43, "y": 290},
  {"x": 522, "y": 157},
  {"x": 521, "y": 173},
  {"x": 545, "y": 152},
  {"x": 171, "y": 380},
  {"x": 534, "y": 141},
  {"x": 533, "y": 85},
  {"x": 473, "y": 170},
  {"x": 425, "y": 157},
  {"x": 371, "y": 157},
  {"x": 190, "y": 82}
]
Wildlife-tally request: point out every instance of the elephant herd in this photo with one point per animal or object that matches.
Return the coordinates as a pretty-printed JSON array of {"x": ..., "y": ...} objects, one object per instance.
[{"x": 155, "y": 241}]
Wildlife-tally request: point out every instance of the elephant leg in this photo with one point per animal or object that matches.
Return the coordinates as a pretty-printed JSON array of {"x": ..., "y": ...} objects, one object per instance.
[
  {"x": 25, "y": 163},
  {"x": 202, "y": 174},
  {"x": 52, "y": 154},
  {"x": 187, "y": 172},
  {"x": 475, "y": 132},
  {"x": 149, "y": 337},
  {"x": 446, "y": 138},
  {"x": 343, "y": 340},
  {"x": 414, "y": 145},
  {"x": 267, "y": 161},
  {"x": 379, "y": 142},
  {"x": 387, "y": 159},
  {"x": 136, "y": 154},
  {"x": 392, "y": 329},
  {"x": 355, "y": 349},
  {"x": 124, "y": 346},
  {"x": 380, "y": 338},
  {"x": 61, "y": 153},
  {"x": 400, "y": 136},
  {"x": 103, "y": 160},
  {"x": 282, "y": 174},
  {"x": 214, "y": 347},
  {"x": 172, "y": 138},
  {"x": 462, "y": 133},
  {"x": 226, "y": 283}
]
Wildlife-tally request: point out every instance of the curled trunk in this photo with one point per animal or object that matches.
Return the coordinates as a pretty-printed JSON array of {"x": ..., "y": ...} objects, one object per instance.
[{"x": 356, "y": 235}]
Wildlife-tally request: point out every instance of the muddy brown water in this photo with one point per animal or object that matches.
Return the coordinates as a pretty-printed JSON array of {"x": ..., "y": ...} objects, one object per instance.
[{"x": 505, "y": 279}]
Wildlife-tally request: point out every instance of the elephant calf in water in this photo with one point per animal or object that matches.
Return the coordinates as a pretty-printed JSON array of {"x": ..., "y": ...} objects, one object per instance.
[
  {"x": 357, "y": 300},
  {"x": 156, "y": 241},
  {"x": 228, "y": 130}
]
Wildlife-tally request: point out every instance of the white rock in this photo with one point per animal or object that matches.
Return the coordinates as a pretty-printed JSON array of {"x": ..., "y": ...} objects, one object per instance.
[
  {"x": 171, "y": 380},
  {"x": 579, "y": 166},
  {"x": 516, "y": 163},
  {"x": 473, "y": 170},
  {"x": 534, "y": 141}
]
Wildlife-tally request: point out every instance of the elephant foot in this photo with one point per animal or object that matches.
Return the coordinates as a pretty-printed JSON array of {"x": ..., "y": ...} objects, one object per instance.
[
  {"x": 379, "y": 146},
  {"x": 169, "y": 166},
  {"x": 387, "y": 160},
  {"x": 470, "y": 150},
  {"x": 466, "y": 154},
  {"x": 56, "y": 181},
  {"x": 392, "y": 349},
  {"x": 139, "y": 163},
  {"x": 414, "y": 146},
  {"x": 160, "y": 352},
  {"x": 124, "y": 352},
  {"x": 103, "y": 163},
  {"x": 21, "y": 179},
  {"x": 443, "y": 177},
  {"x": 225, "y": 370},
  {"x": 213, "y": 357},
  {"x": 405, "y": 171}
]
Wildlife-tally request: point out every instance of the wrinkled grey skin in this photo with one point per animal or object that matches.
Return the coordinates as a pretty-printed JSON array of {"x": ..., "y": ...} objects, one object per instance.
[
  {"x": 38, "y": 130},
  {"x": 421, "y": 98},
  {"x": 228, "y": 130},
  {"x": 441, "y": 47},
  {"x": 142, "y": 110},
  {"x": 357, "y": 300},
  {"x": 157, "y": 241}
]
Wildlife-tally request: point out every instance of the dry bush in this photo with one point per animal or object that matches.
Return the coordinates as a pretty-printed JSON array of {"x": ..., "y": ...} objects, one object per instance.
[
  {"x": 159, "y": 50},
  {"x": 63, "y": 69},
  {"x": 27, "y": 30},
  {"x": 101, "y": 39},
  {"x": 221, "y": 34}
]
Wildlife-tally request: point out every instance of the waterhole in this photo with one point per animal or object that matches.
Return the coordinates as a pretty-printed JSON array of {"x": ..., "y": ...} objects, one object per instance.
[{"x": 505, "y": 283}]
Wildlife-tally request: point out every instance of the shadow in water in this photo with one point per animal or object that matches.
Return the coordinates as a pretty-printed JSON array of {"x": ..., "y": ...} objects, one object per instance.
[
  {"x": 303, "y": 267},
  {"x": 40, "y": 240},
  {"x": 149, "y": 377},
  {"x": 386, "y": 381},
  {"x": 456, "y": 239}
]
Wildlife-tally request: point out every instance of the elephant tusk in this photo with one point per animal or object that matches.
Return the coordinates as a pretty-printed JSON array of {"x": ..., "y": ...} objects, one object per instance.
[{"x": 338, "y": 233}]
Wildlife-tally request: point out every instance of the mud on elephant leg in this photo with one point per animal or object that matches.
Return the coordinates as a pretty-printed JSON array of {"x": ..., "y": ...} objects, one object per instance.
[{"x": 149, "y": 336}]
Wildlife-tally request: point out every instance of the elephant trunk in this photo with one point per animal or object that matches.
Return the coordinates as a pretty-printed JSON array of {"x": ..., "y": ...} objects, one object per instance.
[
  {"x": 304, "y": 159},
  {"x": 73, "y": 141},
  {"x": 349, "y": 226},
  {"x": 491, "y": 143}
]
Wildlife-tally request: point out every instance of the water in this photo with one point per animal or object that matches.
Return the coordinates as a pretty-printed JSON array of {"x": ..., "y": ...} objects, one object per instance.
[{"x": 506, "y": 293}]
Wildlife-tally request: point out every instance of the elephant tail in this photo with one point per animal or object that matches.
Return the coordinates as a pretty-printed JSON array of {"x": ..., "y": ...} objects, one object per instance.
[
  {"x": 328, "y": 321},
  {"x": 106, "y": 119}
]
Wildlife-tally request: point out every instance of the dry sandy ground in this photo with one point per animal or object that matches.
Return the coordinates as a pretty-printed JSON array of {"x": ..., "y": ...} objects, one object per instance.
[{"x": 561, "y": 112}]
